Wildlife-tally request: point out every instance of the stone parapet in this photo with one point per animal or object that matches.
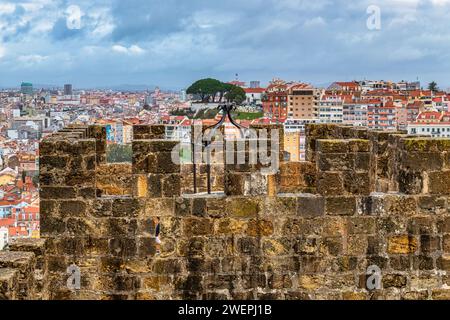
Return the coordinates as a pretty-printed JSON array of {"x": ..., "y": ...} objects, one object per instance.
[{"x": 309, "y": 231}]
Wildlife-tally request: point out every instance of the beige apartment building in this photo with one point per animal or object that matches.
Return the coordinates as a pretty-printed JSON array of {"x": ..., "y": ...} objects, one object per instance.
[
  {"x": 292, "y": 145},
  {"x": 302, "y": 101}
]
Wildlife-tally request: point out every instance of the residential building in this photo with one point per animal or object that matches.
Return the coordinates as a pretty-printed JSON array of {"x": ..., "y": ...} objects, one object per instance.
[
  {"x": 275, "y": 102},
  {"x": 330, "y": 109},
  {"x": 302, "y": 103},
  {"x": 345, "y": 87},
  {"x": 382, "y": 116},
  {"x": 355, "y": 113},
  {"x": 413, "y": 109},
  {"x": 292, "y": 141},
  {"x": 441, "y": 103},
  {"x": 431, "y": 123},
  {"x": 408, "y": 86},
  {"x": 254, "y": 96},
  {"x": 297, "y": 127}
]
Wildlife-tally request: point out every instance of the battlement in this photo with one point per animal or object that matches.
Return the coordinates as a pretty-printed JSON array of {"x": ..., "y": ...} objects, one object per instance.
[{"x": 306, "y": 231}]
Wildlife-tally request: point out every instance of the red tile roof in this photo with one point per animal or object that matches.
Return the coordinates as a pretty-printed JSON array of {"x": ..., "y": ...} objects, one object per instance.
[
  {"x": 430, "y": 115},
  {"x": 6, "y": 222},
  {"x": 254, "y": 90}
]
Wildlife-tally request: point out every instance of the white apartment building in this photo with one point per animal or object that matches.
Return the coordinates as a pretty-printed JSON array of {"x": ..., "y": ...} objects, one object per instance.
[
  {"x": 330, "y": 109},
  {"x": 435, "y": 130},
  {"x": 253, "y": 96},
  {"x": 431, "y": 123},
  {"x": 355, "y": 113}
]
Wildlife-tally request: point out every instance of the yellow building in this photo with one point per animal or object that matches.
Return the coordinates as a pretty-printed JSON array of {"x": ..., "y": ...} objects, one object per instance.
[{"x": 292, "y": 145}]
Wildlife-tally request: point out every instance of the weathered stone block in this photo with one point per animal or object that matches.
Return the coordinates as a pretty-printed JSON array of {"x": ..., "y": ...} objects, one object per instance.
[
  {"x": 259, "y": 228},
  {"x": 402, "y": 244},
  {"x": 243, "y": 207},
  {"x": 330, "y": 183},
  {"x": 430, "y": 244},
  {"x": 341, "y": 206},
  {"x": 394, "y": 281},
  {"x": 357, "y": 245},
  {"x": 58, "y": 193},
  {"x": 423, "y": 262},
  {"x": 332, "y": 146},
  {"x": 335, "y": 161},
  {"x": 125, "y": 207},
  {"x": 439, "y": 182},
  {"x": 197, "y": 226},
  {"x": 309, "y": 206},
  {"x": 425, "y": 144},
  {"x": 171, "y": 185},
  {"x": 248, "y": 246},
  {"x": 167, "y": 266},
  {"x": 311, "y": 282},
  {"x": 446, "y": 243},
  {"x": 442, "y": 263},
  {"x": 422, "y": 161},
  {"x": 410, "y": 182},
  {"x": 123, "y": 227},
  {"x": 74, "y": 208},
  {"x": 274, "y": 247},
  {"x": 8, "y": 283},
  {"x": 357, "y": 182},
  {"x": 440, "y": 294},
  {"x": 162, "y": 163},
  {"x": 361, "y": 225}
]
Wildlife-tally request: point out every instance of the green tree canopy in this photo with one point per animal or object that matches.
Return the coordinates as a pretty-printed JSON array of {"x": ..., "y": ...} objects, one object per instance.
[
  {"x": 212, "y": 90},
  {"x": 432, "y": 86},
  {"x": 206, "y": 88},
  {"x": 235, "y": 94}
]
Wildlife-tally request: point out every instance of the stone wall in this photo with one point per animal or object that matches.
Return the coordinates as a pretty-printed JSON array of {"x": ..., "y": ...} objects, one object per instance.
[
  {"x": 308, "y": 231},
  {"x": 23, "y": 270}
]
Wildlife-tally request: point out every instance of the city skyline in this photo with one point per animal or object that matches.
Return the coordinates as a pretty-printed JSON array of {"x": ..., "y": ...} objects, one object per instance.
[{"x": 173, "y": 43}]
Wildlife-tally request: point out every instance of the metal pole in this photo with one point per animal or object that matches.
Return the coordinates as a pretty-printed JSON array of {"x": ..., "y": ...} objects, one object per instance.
[
  {"x": 226, "y": 113},
  {"x": 208, "y": 168}
]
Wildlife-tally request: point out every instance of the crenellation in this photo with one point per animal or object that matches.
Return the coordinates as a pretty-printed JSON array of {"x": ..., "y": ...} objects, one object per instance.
[{"x": 307, "y": 231}]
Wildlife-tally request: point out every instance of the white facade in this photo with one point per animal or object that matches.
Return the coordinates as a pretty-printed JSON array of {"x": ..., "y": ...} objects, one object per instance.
[
  {"x": 254, "y": 98},
  {"x": 438, "y": 130},
  {"x": 4, "y": 237},
  {"x": 355, "y": 114},
  {"x": 330, "y": 110}
]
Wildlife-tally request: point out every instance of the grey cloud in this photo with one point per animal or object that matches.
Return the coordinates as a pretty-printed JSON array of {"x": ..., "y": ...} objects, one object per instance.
[{"x": 184, "y": 40}]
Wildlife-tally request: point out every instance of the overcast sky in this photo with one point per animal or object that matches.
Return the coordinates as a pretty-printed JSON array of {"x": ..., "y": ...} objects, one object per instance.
[{"x": 174, "y": 42}]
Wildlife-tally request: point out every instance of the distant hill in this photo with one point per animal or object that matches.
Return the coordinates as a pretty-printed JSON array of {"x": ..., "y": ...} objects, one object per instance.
[
  {"x": 121, "y": 87},
  {"x": 135, "y": 87},
  {"x": 127, "y": 87}
]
